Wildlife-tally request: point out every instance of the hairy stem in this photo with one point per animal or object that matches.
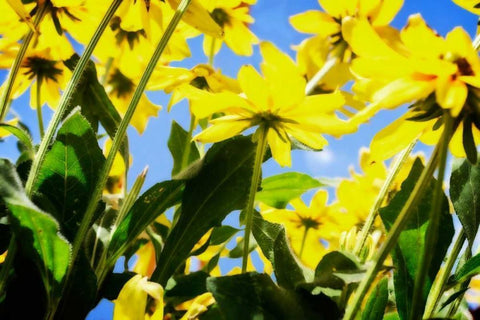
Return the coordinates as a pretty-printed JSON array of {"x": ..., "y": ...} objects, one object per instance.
[
  {"x": 67, "y": 94},
  {"x": 426, "y": 258},
  {"x": 381, "y": 197},
  {"x": 39, "y": 109},
  {"x": 392, "y": 236},
  {"x": 261, "y": 136},
  {"x": 12, "y": 75}
]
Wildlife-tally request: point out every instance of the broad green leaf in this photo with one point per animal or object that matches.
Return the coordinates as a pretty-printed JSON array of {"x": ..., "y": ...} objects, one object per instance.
[
  {"x": 278, "y": 190},
  {"x": 220, "y": 187},
  {"x": 377, "y": 302},
  {"x": 411, "y": 242},
  {"x": 465, "y": 195},
  {"x": 222, "y": 234},
  {"x": 69, "y": 173},
  {"x": 178, "y": 142},
  {"x": 469, "y": 269},
  {"x": 272, "y": 239},
  {"x": 95, "y": 103},
  {"x": 255, "y": 296},
  {"x": 144, "y": 211},
  {"x": 332, "y": 263},
  {"x": 37, "y": 232}
]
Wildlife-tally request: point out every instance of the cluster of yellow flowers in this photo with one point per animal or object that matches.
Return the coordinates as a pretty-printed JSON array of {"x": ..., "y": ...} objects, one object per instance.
[{"x": 292, "y": 101}]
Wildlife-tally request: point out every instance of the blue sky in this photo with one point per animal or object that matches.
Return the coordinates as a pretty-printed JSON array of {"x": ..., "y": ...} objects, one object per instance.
[{"x": 271, "y": 25}]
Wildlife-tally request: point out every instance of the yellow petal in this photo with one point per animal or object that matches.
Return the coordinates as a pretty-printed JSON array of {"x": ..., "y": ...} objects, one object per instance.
[
  {"x": 280, "y": 148},
  {"x": 254, "y": 87},
  {"x": 421, "y": 39},
  {"x": 286, "y": 82},
  {"x": 337, "y": 8},
  {"x": 313, "y": 140},
  {"x": 198, "y": 306},
  {"x": 401, "y": 91},
  {"x": 240, "y": 38},
  {"x": 209, "y": 104},
  {"x": 144, "y": 111},
  {"x": 315, "y": 22},
  {"x": 211, "y": 45},
  {"x": 395, "y": 137},
  {"x": 365, "y": 42},
  {"x": 131, "y": 301},
  {"x": 451, "y": 95},
  {"x": 19, "y": 9},
  {"x": 387, "y": 11},
  {"x": 222, "y": 130},
  {"x": 199, "y": 18},
  {"x": 319, "y": 200},
  {"x": 470, "y": 5}
]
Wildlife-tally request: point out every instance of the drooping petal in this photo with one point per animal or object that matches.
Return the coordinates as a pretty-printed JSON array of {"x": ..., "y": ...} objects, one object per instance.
[
  {"x": 313, "y": 140},
  {"x": 387, "y": 11},
  {"x": 240, "y": 38},
  {"x": 451, "y": 95},
  {"x": 280, "y": 148},
  {"x": 209, "y": 104},
  {"x": 395, "y": 137},
  {"x": 223, "y": 129},
  {"x": 401, "y": 91}
]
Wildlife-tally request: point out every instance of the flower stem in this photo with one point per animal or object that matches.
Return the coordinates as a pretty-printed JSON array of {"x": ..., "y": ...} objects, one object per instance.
[
  {"x": 476, "y": 41},
  {"x": 327, "y": 66},
  {"x": 261, "y": 136},
  {"x": 439, "y": 285},
  {"x": 304, "y": 239},
  {"x": 381, "y": 197},
  {"x": 392, "y": 236},
  {"x": 211, "y": 54},
  {"x": 121, "y": 131},
  {"x": 39, "y": 109},
  {"x": 426, "y": 258},
  {"x": 12, "y": 75},
  {"x": 67, "y": 94}
]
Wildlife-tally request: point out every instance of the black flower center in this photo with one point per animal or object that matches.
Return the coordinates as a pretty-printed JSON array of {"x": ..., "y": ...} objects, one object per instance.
[{"x": 41, "y": 68}]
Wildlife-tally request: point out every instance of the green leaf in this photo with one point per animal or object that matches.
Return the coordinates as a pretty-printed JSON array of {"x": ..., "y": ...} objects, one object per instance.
[
  {"x": 177, "y": 144},
  {"x": 411, "y": 242},
  {"x": 255, "y": 296},
  {"x": 185, "y": 287},
  {"x": 95, "y": 103},
  {"x": 465, "y": 195},
  {"x": 332, "y": 263},
  {"x": 37, "y": 232},
  {"x": 377, "y": 302},
  {"x": 145, "y": 210},
  {"x": 469, "y": 269},
  {"x": 222, "y": 234},
  {"x": 278, "y": 190},
  {"x": 272, "y": 239},
  {"x": 69, "y": 173},
  {"x": 22, "y": 135},
  {"x": 220, "y": 187}
]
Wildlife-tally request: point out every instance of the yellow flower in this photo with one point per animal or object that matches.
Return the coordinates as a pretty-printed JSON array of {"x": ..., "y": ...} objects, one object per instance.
[
  {"x": 120, "y": 89},
  {"x": 196, "y": 306},
  {"x": 178, "y": 80},
  {"x": 40, "y": 69},
  {"x": 328, "y": 24},
  {"x": 312, "y": 230},
  {"x": 440, "y": 75},
  {"x": 132, "y": 300},
  {"x": 276, "y": 101},
  {"x": 470, "y": 5},
  {"x": 233, "y": 16}
]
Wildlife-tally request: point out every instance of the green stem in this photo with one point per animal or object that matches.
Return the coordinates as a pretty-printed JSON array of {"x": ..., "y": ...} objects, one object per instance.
[
  {"x": 108, "y": 67},
  {"x": 392, "y": 236},
  {"x": 476, "y": 41},
  {"x": 439, "y": 285},
  {"x": 39, "y": 109},
  {"x": 261, "y": 136},
  {"x": 418, "y": 301},
  {"x": 67, "y": 94},
  {"x": 121, "y": 131},
  {"x": 12, "y": 75},
  {"x": 7, "y": 264},
  {"x": 402, "y": 157},
  {"x": 304, "y": 239},
  {"x": 327, "y": 66}
]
